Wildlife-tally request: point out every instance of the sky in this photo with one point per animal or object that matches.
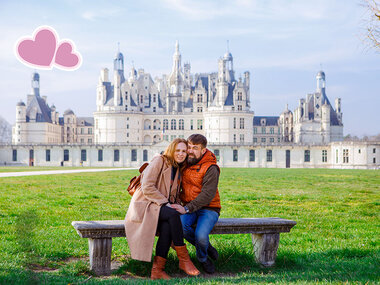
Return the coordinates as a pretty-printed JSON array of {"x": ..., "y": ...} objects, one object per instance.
[{"x": 282, "y": 43}]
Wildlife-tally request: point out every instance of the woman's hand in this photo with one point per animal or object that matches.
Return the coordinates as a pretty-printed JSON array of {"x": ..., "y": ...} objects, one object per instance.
[{"x": 178, "y": 208}]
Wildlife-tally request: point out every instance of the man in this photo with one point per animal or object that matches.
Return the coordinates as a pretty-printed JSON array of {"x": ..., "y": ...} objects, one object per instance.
[{"x": 201, "y": 199}]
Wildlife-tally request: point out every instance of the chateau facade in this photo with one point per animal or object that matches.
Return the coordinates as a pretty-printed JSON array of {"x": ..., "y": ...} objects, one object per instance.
[
  {"x": 137, "y": 116},
  {"x": 137, "y": 109}
]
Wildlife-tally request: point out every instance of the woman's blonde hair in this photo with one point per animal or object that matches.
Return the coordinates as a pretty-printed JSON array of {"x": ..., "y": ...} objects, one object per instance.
[{"x": 170, "y": 150}]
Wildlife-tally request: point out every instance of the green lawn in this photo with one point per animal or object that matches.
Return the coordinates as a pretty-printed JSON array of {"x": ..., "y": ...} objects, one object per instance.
[{"x": 336, "y": 240}]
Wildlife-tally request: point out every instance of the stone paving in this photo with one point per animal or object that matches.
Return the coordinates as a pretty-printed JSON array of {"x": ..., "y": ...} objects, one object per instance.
[{"x": 49, "y": 172}]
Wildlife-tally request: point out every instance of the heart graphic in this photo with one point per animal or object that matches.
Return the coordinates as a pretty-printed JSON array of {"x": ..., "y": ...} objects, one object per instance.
[
  {"x": 44, "y": 50},
  {"x": 65, "y": 57},
  {"x": 40, "y": 50}
]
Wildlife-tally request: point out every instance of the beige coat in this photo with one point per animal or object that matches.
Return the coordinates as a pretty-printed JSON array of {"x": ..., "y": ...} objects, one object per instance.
[{"x": 142, "y": 215}]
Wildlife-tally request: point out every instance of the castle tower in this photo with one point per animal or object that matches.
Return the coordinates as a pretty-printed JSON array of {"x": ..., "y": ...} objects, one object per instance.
[
  {"x": 35, "y": 84},
  {"x": 321, "y": 81},
  {"x": 118, "y": 78},
  {"x": 176, "y": 82}
]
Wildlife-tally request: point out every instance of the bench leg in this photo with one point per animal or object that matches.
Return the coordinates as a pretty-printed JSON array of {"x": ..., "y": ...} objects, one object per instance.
[
  {"x": 100, "y": 255},
  {"x": 265, "y": 247}
]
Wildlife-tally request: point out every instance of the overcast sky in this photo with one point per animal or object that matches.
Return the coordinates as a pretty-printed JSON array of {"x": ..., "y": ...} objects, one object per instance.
[{"x": 283, "y": 44}]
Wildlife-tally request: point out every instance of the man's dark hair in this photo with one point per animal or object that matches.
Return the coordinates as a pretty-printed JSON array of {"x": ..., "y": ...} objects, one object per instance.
[{"x": 197, "y": 139}]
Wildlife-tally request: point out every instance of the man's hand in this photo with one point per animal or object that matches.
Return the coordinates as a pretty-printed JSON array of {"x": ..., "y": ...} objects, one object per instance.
[{"x": 179, "y": 208}]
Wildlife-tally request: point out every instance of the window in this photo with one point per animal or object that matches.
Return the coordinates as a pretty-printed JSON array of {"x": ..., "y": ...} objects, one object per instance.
[
  {"x": 234, "y": 123},
  {"x": 83, "y": 155},
  {"x": 81, "y": 140},
  {"x": 47, "y": 154},
  {"x": 181, "y": 124},
  {"x": 374, "y": 150},
  {"x": 89, "y": 140},
  {"x": 239, "y": 97},
  {"x": 307, "y": 155},
  {"x": 374, "y": 160},
  {"x": 255, "y": 130},
  {"x": 141, "y": 99},
  {"x": 336, "y": 156},
  {"x": 154, "y": 98},
  {"x": 166, "y": 124},
  {"x": 172, "y": 137},
  {"x": 271, "y": 130},
  {"x": 134, "y": 154},
  {"x": 263, "y": 130},
  {"x": 269, "y": 155},
  {"x": 240, "y": 108},
  {"x": 66, "y": 155},
  {"x": 81, "y": 131},
  {"x": 200, "y": 124},
  {"x": 14, "y": 155},
  {"x": 324, "y": 155},
  {"x": 359, "y": 151},
  {"x": 235, "y": 155},
  {"x": 241, "y": 123},
  {"x": 251, "y": 155},
  {"x": 199, "y": 109},
  {"x": 345, "y": 155},
  {"x": 217, "y": 154},
  {"x": 145, "y": 155},
  {"x": 241, "y": 138},
  {"x": 154, "y": 109},
  {"x": 100, "y": 155},
  {"x": 191, "y": 125},
  {"x": 200, "y": 98},
  {"x": 271, "y": 140},
  {"x": 173, "y": 124},
  {"x": 116, "y": 155},
  {"x": 263, "y": 140},
  {"x": 89, "y": 131},
  {"x": 255, "y": 140},
  {"x": 166, "y": 138},
  {"x": 234, "y": 138}
]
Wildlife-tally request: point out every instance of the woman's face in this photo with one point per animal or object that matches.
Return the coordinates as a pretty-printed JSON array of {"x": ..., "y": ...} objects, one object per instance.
[{"x": 180, "y": 152}]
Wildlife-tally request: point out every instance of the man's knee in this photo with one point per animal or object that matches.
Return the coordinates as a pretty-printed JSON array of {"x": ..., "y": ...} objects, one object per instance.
[{"x": 202, "y": 238}]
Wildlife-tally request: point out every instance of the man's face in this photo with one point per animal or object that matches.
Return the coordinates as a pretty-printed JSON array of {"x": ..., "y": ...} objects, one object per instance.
[{"x": 195, "y": 153}]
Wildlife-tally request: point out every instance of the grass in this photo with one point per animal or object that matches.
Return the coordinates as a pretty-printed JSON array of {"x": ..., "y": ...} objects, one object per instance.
[{"x": 336, "y": 240}]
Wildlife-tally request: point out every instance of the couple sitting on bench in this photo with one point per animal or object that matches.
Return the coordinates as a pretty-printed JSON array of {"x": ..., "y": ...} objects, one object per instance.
[{"x": 178, "y": 190}]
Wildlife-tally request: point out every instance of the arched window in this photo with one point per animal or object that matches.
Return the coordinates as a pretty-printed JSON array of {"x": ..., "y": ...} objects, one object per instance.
[
  {"x": 181, "y": 125},
  {"x": 166, "y": 124},
  {"x": 173, "y": 124}
]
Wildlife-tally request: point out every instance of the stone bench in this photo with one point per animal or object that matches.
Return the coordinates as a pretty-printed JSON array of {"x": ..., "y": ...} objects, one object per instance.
[{"x": 265, "y": 237}]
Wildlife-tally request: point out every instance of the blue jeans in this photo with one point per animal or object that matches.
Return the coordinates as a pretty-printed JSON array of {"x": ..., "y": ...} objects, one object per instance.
[{"x": 205, "y": 220}]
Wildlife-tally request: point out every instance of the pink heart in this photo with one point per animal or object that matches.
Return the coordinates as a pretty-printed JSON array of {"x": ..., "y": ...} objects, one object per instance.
[
  {"x": 65, "y": 56},
  {"x": 40, "y": 50}
]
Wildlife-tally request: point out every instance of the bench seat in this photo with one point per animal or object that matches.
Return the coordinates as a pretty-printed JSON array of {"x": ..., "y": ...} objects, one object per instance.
[{"x": 265, "y": 237}]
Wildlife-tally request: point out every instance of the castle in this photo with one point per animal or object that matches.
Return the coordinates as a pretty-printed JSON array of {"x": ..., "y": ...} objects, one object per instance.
[{"x": 140, "y": 110}]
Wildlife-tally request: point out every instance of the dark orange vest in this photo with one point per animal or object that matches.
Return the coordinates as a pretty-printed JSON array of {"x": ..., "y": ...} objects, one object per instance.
[{"x": 192, "y": 179}]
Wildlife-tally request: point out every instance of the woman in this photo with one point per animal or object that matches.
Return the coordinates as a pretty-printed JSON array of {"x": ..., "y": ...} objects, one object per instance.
[{"x": 150, "y": 212}]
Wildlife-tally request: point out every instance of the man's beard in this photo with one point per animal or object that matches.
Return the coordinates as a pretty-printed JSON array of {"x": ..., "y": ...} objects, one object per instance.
[{"x": 193, "y": 160}]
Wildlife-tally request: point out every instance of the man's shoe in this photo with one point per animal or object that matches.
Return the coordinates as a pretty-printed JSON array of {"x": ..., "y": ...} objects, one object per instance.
[
  {"x": 212, "y": 252},
  {"x": 208, "y": 266}
]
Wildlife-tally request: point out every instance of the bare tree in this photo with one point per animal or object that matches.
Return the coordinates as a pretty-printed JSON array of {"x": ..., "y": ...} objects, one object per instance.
[{"x": 372, "y": 23}]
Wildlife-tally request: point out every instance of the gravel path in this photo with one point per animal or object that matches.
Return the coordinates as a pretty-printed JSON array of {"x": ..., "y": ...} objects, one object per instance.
[{"x": 49, "y": 172}]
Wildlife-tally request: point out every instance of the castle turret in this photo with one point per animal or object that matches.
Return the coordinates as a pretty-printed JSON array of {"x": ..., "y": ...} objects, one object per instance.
[
  {"x": 321, "y": 81},
  {"x": 35, "y": 84},
  {"x": 20, "y": 112}
]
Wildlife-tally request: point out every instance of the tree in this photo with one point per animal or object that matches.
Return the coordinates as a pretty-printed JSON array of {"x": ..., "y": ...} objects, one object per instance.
[{"x": 372, "y": 23}]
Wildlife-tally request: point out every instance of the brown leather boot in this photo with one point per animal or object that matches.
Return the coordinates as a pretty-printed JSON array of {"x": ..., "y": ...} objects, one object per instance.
[
  {"x": 158, "y": 269},
  {"x": 185, "y": 262}
]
